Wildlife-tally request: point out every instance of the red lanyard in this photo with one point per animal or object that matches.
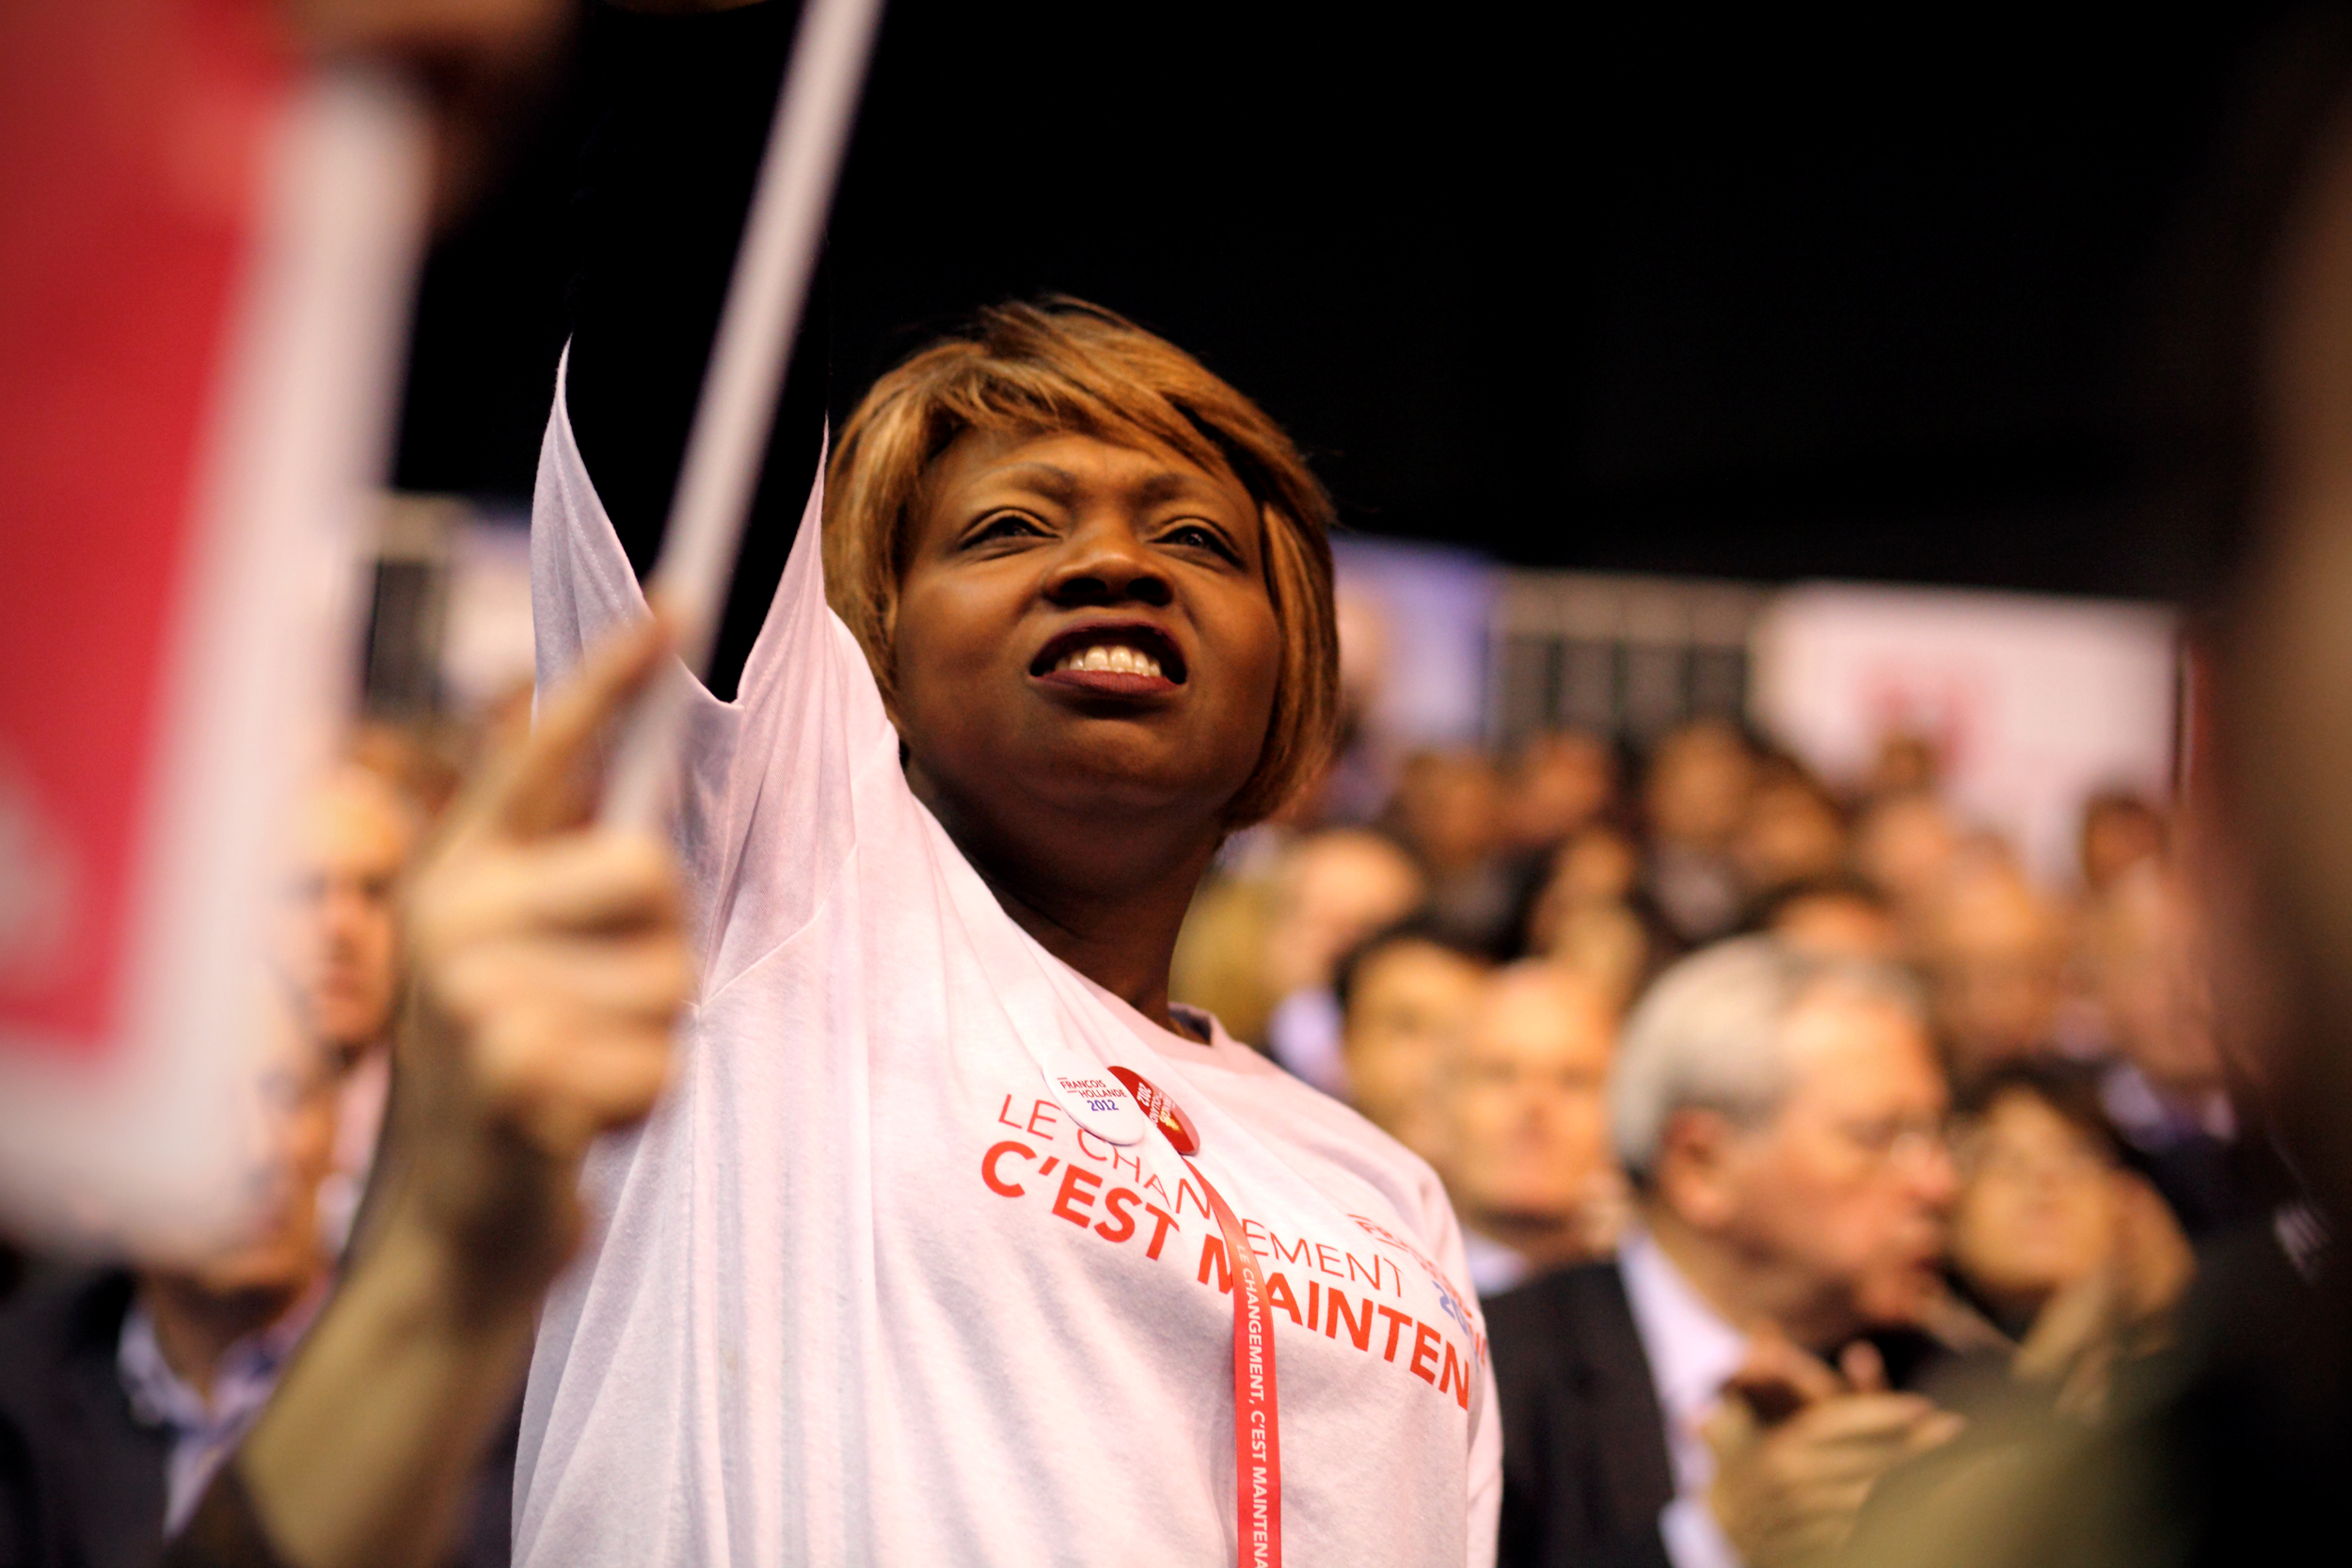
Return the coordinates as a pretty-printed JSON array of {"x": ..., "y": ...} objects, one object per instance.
[{"x": 1256, "y": 1405}]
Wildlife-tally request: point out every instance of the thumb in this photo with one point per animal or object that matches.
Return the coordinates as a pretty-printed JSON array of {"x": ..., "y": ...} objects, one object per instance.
[
  {"x": 1864, "y": 1366},
  {"x": 1730, "y": 1429},
  {"x": 1778, "y": 1379},
  {"x": 535, "y": 789}
]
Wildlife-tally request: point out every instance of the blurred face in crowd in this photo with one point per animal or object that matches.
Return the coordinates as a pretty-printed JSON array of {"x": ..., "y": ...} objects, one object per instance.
[
  {"x": 285, "y": 1252},
  {"x": 1996, "y": 957},
  {"x": 354, "y": 838},
  {"x": 1335, "y": 888},
  {"x": 1603, "y": 946},
  {"x": 1696, "y": 791},
  {"x": 1905, "y": 765},
  {"x": 1528, "y": 1136},
  {"x": 2147, "y": 956},
  {"x": 1595, "y": 870},
  {"x": 1405, "y": 1013},
  {"x": 1835, "y": 1203},
  {"x": 1561, "y": 783},
  {"x": 1793, "y": 833},
  {"x": 1834, "y": 924},
  {"x": 1905, "y": 845},
  {"x": 2119, "y": 833},
  {"x": 2037, "y": 1205},
  {"x": 1599, "y": 866},
  {"x": 1449, "y": 805}
]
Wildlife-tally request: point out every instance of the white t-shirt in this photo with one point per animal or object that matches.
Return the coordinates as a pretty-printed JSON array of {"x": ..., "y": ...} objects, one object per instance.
[{"x": 863, "y": 1292}]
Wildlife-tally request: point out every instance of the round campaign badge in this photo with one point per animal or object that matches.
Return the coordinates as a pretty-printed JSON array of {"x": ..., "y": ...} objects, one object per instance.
[
  {"x": 1100, "y": 1104},
  {"x": 1168, "y": 1115}
]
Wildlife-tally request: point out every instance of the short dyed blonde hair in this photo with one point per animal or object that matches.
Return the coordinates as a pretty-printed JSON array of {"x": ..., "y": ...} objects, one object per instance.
[{"x": 1068, "y": 366}]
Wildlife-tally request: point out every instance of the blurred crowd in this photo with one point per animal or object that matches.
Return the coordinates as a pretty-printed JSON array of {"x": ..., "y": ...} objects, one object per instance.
[
  {"x": 1796, "y": 1132},
  {"x": 1397, "y": 961},
  {"x": 1459, "y": 959},
  {"x": 126, "y": 1382},
  {"x": 2016, "y": 1157}
]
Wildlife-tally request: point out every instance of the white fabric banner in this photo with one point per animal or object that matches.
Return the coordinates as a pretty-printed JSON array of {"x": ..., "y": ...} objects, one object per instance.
[{"x": 2033, "y": 703}]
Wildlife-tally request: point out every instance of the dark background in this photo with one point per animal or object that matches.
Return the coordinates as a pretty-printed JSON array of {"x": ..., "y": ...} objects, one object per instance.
[{"x": 1667, "y": 292}]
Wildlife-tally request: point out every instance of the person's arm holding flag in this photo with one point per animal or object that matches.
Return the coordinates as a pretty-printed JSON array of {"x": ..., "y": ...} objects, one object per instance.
[{"x": 551, "y": 969}]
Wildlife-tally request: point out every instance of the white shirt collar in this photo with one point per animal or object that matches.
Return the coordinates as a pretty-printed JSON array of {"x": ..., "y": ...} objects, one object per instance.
[
  {"x": 204, "y": 1432},
  {"x": 1693, "y": 1352},
  {"x": 1493, "y": 1267}
]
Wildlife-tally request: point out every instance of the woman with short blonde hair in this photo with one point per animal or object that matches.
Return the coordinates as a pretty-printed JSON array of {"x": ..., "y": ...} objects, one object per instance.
[
  {"x": 1069, "y": 365},
  {"x": 956, "y": 1241}
]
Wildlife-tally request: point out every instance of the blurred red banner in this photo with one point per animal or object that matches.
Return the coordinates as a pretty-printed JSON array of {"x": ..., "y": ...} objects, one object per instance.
[{"x": 134, "y": 135}]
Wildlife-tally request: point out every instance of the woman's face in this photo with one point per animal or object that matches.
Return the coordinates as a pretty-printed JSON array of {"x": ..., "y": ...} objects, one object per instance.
[
  {"x": 1082, "y": 628},
  {"x": 2037, "y": 1209}
]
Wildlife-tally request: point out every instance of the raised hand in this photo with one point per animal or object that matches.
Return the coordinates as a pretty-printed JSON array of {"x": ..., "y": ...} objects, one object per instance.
[
  {"x": 549, "y": 969},
  {"x": 1798, "y": 1447}
]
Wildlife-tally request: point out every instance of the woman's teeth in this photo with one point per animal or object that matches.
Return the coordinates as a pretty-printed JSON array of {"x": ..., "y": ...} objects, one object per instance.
[{"x": 1115, "y": 657}]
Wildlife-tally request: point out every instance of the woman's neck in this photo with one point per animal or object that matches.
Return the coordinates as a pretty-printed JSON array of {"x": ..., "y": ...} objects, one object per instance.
[
  {"x": 1123, "y": 949},
  {"x": 1107, "y": 898}
]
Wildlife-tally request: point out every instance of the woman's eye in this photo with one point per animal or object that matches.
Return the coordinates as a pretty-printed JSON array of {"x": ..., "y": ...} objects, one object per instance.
[
  {"x": 1199, "y": 536},
  {"x": 1006, "y": 525}
]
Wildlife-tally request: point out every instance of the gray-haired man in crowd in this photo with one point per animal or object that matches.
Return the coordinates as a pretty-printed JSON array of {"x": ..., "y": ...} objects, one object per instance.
[{"x": 1780, "y": 1117}]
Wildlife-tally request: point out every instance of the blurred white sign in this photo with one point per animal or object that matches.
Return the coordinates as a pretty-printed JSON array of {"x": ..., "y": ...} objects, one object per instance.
[
  {"x": 486, "y": 648},
  {"x": 2032, "y": 703},
  {"x": 1413, "y": 624}
]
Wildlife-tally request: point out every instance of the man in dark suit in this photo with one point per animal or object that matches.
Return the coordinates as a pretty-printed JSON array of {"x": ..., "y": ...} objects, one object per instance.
[
  {"x": 81, "y": 1479},
  {"x": 122, "y": 1389},
  {"x": 1779, "y": 1116}
]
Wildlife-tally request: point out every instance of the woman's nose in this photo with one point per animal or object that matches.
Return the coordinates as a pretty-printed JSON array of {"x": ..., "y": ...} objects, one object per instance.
[{"x": 1106, "y": 564}]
